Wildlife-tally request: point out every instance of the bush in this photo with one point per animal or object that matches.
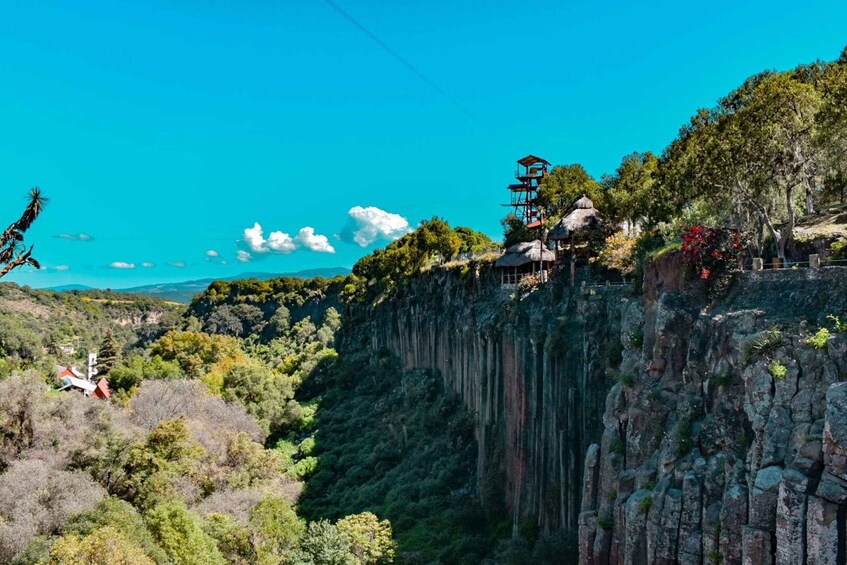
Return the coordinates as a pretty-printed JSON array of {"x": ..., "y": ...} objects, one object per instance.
[
  {"x": 820, "y": 339},
  {"x": 646, "y": 504},
  {"x": 276, "y": 529},
  {"x": 840, "y": 327},
  {"x": 37, "y": 500},
  {"x": 105, "y": 545},
  {"x": 712, "y": 254},
  {"x": 179, "y": 532},
  {"x": 618, "y": 253},
  {"x": 778, "y": 370},
  {"x": 606, "y": 522}
]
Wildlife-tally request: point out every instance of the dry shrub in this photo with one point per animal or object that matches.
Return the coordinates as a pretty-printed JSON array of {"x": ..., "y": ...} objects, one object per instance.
[
  {"x": 36, "y": 499},
  {"x": 207, "y": 415}
]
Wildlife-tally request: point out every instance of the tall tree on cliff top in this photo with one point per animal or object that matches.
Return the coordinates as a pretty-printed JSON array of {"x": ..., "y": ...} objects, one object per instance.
[
  {"x": 832, "y": 126},
  {"x": 13, "y": 252},
  {"x": 634, "y": 194},
  {"x": 753, "y": 155},
  {"x": 563, "y": 186}
]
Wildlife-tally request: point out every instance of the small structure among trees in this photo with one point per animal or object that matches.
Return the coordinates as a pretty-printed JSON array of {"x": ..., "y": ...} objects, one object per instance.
[
  {"x": 526, "y": 259},
  {"x": 583, "y": 219}
]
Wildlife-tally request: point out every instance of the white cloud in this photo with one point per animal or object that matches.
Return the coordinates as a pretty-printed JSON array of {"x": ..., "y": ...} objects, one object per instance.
[
  {"x": 243, "y": 256},
  {"x": 75, "y": 236},
  {"x": 212, "y": 253},
  {"x": 61, "y": 267},
  {"x": 122, "y": 265},
  {"x": 177, "y": 264},
  {"x": 255, "y": 239},
  {"x": 148, "y": 265},
  {"x": 281, "y": 242},
  {"x": 372, "y": 223},
  {"x": 310, "y": 240}
]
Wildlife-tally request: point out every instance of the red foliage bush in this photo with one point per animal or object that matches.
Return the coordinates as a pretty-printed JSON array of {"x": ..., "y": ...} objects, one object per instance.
[{"x": 713, "y": 253}]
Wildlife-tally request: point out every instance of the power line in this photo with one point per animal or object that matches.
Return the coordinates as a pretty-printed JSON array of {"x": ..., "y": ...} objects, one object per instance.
[{"x": 385, "y": 47}]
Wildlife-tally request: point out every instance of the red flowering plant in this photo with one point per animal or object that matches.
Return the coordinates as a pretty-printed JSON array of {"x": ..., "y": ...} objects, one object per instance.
[{"x": 712, "y": 254}]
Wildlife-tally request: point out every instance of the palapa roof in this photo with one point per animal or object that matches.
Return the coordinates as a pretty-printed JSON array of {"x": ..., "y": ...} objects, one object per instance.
[
  {"x": 525, "y": 252},
  {"x": 531, "y": 160},
  {"x": 582, "y": 216}
]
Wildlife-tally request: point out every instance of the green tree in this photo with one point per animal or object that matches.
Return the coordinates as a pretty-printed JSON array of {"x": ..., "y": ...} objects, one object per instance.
[
  {"x": 276, "y": 530},
  {"x": 104, "y": 546},
  {"x": 13, "y": 252},
  {"x": 121, "y": 516},
  {"x": 473, "y": 241},
  {"x": 515, "y": 231},
  {"x": 179, "y": 532},
  {"x": 370, "y": 539},
  {"x": 232, "y": 538},
  {"x": 323, "y": 544},
  {"x": 563, "y": 186},
  {"x": 108, "y": 354},
  {"x": 435, "y": 237},
  {"x": 131, "y": 372},
  {"x": 264, "y": 394},
  {"x": 634, "y": 193},
  {"x": 197, "y": 352}
]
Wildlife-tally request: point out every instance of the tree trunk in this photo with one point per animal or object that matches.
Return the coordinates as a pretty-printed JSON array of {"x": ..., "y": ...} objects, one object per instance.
[
  {"x": 788, "y": 232},
  {"x": 810, "y": 195}
]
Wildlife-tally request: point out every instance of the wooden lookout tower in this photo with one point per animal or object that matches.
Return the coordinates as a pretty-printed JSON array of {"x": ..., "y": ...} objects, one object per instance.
[{"x": 530, "y": 171}]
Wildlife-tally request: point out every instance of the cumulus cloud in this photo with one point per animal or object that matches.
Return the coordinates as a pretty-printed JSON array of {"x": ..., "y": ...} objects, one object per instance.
[
  {"x": 281, "y": 242},
  {"x": 212, "y": 253},
  {"x": 177, "y": 264},
  {"x": 310, "y": 240},
  {"x": 75, "y": 236},
  {"x": 243, "y": 256},
  {"x": 122, "y": 265},
  {"x": 369, "y": 224},
  {"x": 148, "y": 265}
]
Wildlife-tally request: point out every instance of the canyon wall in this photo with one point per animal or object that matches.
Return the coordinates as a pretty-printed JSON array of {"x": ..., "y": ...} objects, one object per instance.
[
  {"x": 532, "y": 371},
  {"x": 727, "y": 442},
  {"x": 664, "y": 427}
]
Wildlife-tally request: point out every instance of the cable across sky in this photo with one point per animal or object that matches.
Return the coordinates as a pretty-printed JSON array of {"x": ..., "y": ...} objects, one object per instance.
[{"x": 385, "y": 47}]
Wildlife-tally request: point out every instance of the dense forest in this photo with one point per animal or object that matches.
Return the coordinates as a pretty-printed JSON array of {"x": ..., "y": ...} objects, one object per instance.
[{"x": 257, "y": 426}]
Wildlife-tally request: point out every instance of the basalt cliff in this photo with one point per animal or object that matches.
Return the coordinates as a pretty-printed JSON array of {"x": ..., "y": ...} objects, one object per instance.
[{"x": 658, "y": 426}]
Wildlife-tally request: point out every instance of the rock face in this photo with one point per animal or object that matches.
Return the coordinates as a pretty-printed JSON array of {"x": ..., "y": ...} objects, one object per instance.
[
  {"x": 748, "y": 463},
  {"x": 660, "y": 428},
  {"x": 533, "y": 371}
]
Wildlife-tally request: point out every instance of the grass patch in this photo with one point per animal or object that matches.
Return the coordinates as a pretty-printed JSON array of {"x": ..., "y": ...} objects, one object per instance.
[{"x": 606, "y": 522}]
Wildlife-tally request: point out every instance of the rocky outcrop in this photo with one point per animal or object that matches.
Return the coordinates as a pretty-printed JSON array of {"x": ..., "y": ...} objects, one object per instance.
[{"x": 734, "y": 429}]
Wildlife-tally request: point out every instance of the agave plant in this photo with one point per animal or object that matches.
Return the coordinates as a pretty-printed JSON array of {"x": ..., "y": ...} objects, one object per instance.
[{"x": 13, "y": 251}]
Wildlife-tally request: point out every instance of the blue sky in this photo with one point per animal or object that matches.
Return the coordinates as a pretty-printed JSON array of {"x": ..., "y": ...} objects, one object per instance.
[{"x": 163, "y": 130}]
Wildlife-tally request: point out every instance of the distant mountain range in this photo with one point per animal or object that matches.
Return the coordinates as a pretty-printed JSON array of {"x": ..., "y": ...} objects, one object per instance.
[{"x": 184, "y": 291}]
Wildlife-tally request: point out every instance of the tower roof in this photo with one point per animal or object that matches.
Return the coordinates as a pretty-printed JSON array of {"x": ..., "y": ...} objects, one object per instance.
[{"x": 531, "y": 160}]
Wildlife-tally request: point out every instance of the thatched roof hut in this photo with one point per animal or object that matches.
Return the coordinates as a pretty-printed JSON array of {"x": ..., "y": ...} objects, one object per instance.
[
  {"x": 584, "y": 215},
  {"x": 525, "y": 253}
]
